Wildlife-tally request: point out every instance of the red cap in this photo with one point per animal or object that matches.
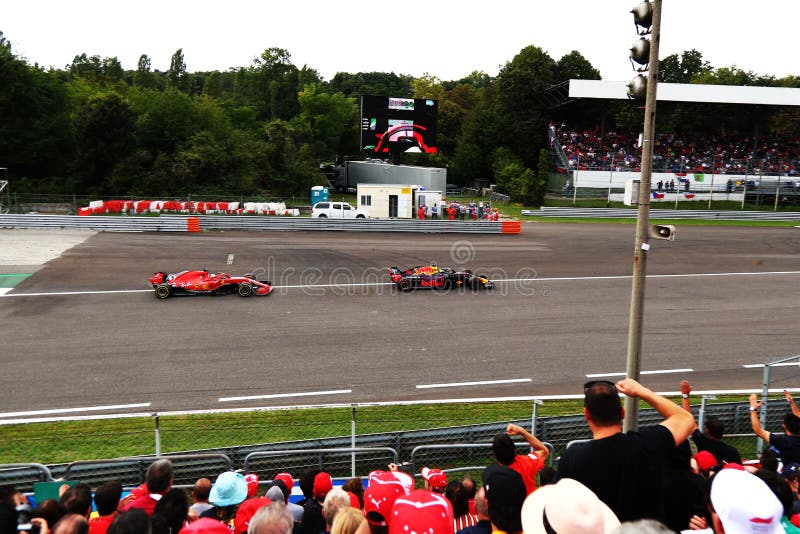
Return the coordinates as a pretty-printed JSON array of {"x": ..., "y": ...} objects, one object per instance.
[
  {"x": 435, "y": 477},
  {"x": 380, "y": 495},
  {"x": 246, "y": 512},
  {"x": 705, "y": 460},
  {"x": 206, "y": 525},
  {"x": 287, "y": 480},
  {"x": 322, "y": 484},
  {"x": 354, "y": 502},
  {"x": 421, "y": 511},
  {"x": 252, "y": 484}
]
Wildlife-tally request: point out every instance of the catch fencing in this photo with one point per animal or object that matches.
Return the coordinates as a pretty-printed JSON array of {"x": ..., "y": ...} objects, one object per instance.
[
  {"x": 177, "y": 223},
  {"x": 343, "y": 440},
  {"x": 623, "y": 213}
]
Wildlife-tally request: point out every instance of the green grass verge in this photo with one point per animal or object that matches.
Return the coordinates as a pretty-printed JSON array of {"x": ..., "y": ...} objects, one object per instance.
[{"x": 58, "y": 442}]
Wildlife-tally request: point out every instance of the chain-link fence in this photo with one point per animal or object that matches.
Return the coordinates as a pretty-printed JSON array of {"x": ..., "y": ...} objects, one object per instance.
[{"x": 346, "y": 441}]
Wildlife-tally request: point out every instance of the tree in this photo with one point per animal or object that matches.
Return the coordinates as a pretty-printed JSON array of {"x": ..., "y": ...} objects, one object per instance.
[
  {"x": 105, "y": 133},
  {"x": 519, "y": 86},
  {"x": 331, "y": 119},
  {"x": 672, "y": 69},
  {"x": 143, "y": 78},
  {"x": 574, "y": 66},
  {"x": 428, "y": 86},
  {"x": 176, "y": 75}
]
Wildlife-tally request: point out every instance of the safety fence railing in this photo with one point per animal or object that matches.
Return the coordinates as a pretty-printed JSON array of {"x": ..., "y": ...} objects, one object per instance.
[
  {"x": 338, "y": 461},
  {"x": 343, "y": 439},
  {"x": 624, "y": 213},
  {"x": 173, "y": 223}
]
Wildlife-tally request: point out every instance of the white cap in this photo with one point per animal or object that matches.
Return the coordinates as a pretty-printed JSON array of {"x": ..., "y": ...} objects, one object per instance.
[
  {"x": 745, "y": 504},
  {"x": 568, "y": 507}
]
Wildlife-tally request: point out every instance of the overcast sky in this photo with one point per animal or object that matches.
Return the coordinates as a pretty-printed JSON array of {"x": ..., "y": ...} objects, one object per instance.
[{"x": 445, "y": 38}]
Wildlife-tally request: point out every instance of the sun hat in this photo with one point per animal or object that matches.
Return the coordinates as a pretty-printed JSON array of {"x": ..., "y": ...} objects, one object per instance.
[
  {"x": 230, "y": 488},
  {"x": 567, "y": 507}
]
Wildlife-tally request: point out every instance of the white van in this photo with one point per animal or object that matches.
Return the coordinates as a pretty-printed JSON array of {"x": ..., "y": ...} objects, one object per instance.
[{"x": 337, "y": 210}]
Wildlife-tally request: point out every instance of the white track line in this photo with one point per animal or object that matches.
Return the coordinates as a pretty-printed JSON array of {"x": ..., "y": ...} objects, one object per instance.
[
  {"x": 4, "y": 290},
  {"x": 286, "y": 395},
  {"x": 480, "y": 383},
  {"x": 498, "y": 281},
  {"x": 659, "y": 372},
  {"x": 75, "y": 410}
]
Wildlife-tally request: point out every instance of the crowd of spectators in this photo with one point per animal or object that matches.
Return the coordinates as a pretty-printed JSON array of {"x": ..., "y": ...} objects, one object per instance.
[
  {"x": 644, "y": 481},
  {"x": 720, "y": 154}
]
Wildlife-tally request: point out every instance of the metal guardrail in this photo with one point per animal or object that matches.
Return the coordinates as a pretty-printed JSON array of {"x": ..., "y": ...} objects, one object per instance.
[
  {"x": 485, "y": 455},
  {"x": 191, "y": 467},
  {"x": 177, "y": 223},
  {"x": 320, "y": 453},
  {"x": 16, "y": 473},
  {"x": 622, "y": 213}
]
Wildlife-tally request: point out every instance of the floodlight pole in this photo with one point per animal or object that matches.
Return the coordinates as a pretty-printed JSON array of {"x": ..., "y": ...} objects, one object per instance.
[{"x": 641, "y": 245}]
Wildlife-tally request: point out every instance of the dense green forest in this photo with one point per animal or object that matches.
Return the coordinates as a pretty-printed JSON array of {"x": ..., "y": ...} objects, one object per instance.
[{"x": 96, "y": 128}]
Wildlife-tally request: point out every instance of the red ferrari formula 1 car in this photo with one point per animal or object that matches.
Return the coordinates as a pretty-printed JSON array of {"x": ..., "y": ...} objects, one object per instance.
[
  {"x": 437, "y": 278},
  {"x": 205, "y": 283}
]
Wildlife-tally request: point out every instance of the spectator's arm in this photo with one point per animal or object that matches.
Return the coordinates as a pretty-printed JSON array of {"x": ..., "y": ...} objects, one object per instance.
[
  {"x": 678, "y": 421},
  {"x": 755, "y": 405},
  {"x": 536, "y": 446},
  {"x": 686, "y": 389},
  {"x": 792, "y": 404}
]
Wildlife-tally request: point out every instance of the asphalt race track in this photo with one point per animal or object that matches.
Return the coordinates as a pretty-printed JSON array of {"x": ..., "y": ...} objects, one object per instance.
[{"x": 91, "y": 334}]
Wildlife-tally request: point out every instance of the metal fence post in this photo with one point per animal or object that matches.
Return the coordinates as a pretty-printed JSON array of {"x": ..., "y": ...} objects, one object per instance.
[
  {"x": 763, "y": 414},
  {"x": 353, "y": 441},
  {"x": 157, "y": 434},
  {"x": 535, "y": 415},
  {"x": 701, "y": 417}
]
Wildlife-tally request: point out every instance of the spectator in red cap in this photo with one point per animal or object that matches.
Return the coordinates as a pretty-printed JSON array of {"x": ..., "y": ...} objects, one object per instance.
[
  {"x": 206, "y": 525},
  {"x": 421, "y": 512},
  {"x": 379, "y": 498},
  {"x": 287, "y": 480},
  {"x": 313, "y": 519},
  {"x": 435, "y": 479},
  {"x": 252, "y": 484},
  {"x": 705, "y": 462},
  {"x": 246, "y": 512},
  {"x": 356, "y": 487}
]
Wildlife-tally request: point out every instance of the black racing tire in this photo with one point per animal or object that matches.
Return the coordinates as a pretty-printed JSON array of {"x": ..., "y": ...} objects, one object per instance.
[
  {"x": 163, "y": 291},
  {"x": 476, "y": 281},
  {"x": 245, "y": 289},
  {"x": 405, "y": 285}
]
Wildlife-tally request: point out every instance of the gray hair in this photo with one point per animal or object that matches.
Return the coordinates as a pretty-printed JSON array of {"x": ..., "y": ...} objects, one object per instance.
[
  {"x": 273, "y": 518},
  {"x": 336, "y": 499}
]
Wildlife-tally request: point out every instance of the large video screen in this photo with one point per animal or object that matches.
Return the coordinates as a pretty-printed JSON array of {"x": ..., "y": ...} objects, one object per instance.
[{"x": 390, "y": 124}]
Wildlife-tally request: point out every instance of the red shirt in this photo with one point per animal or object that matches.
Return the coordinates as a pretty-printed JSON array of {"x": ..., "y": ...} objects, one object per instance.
[
  {"x": 527, "y": 466},
  {"x": 99, "y": 525},
  {"x": 143, "y": 502}
]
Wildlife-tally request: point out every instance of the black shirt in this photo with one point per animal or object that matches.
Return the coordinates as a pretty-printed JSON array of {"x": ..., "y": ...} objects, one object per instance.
[
  {"x": 623, "y": 470},
  {"x": 721, "y": 450}
]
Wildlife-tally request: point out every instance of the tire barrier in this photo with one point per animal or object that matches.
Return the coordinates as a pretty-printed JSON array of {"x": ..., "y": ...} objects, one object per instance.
[{"x": 179, "y": 223}]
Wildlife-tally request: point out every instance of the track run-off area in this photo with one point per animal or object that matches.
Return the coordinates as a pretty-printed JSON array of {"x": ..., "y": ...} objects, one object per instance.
[{"x": 84, "y": 335}]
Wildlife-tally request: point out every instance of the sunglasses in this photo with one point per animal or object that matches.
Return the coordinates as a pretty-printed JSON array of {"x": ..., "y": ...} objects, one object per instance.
[{"x": 589, "y": 385}]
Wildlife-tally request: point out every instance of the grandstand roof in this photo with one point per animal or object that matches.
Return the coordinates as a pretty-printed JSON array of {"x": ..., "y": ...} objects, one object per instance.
[{"x": 685, "y": 92}]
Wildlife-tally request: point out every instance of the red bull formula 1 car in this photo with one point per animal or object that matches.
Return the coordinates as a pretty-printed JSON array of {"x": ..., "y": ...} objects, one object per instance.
[
  {"x": 435, "y": 277},
  {"x": 205, "y": 283}
]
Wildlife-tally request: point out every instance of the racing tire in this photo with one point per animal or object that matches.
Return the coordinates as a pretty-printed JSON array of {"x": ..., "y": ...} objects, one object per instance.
[
  {"x": 245, "y": 289},
  {"x": 476, "y": 282},
  {"x": 162, "y": 291},
  {"x": 405, "y": 285}
]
